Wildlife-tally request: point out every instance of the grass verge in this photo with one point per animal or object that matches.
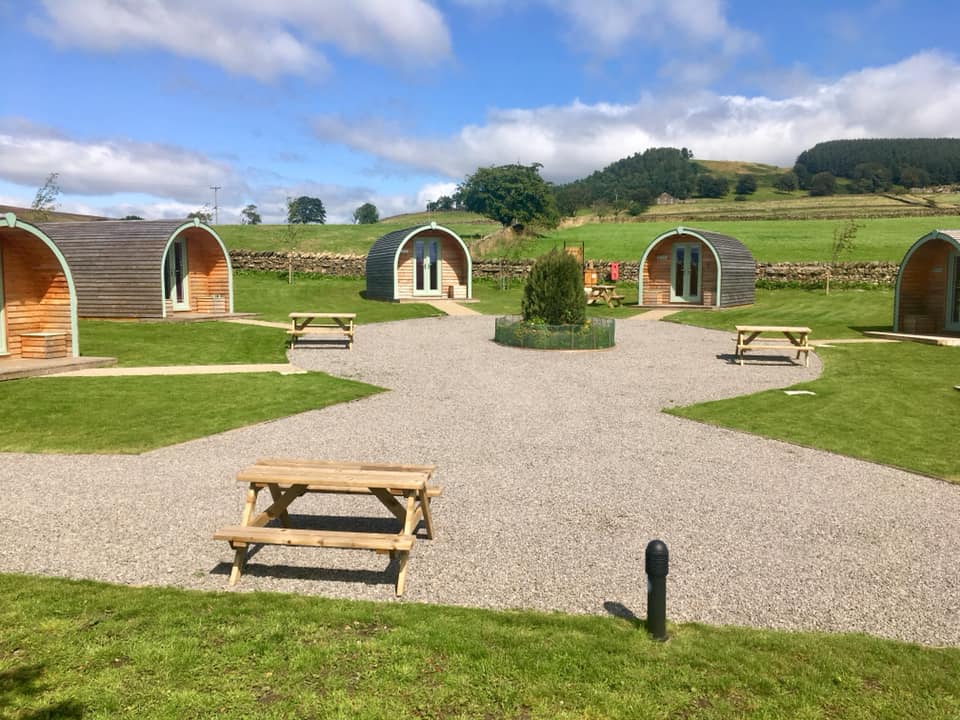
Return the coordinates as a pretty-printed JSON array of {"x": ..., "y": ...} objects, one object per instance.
[
  {"x": 272, "y": 296},
  {"x": 890, "y": 403},
  {"x": 80, "y": 649},
  {"x": 202, "y": 343},
  {"x": 136, "y": 414},
  {"x": 841, "y": 314}
]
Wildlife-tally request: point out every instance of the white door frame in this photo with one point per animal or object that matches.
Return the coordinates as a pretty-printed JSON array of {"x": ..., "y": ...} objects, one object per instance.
[
  {"x": 423, "y": 262},
  {"x": 170, "y": 270},
  {"x": 953, "y": 292},
  {"x": 688, "y": 294}
]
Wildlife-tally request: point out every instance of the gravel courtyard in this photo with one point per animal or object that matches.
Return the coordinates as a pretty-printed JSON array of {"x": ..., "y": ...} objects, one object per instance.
[{"x": 558, "y": 469}]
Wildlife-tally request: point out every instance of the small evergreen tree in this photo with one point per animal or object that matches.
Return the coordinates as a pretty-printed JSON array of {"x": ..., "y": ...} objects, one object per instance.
[{"x": 554, "y": 291}]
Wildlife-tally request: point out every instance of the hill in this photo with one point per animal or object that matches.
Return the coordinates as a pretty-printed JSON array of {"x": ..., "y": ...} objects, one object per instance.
[{"x": 31, "y": 216}]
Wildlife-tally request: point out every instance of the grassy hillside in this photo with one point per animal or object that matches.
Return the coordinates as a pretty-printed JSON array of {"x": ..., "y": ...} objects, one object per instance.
[
  {"x": 350, "y": 239},
  {"x": 881, "y": 239}
]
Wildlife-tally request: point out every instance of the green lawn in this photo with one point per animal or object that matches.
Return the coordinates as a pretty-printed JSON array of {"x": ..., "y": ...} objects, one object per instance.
[
  {"x": 80, "y": 649},
  {"x": 273, "y": 297},
  {"x": 168, "y": 343},
  {"x": 891, "y": 403},
  {"x": 136, "y": 414},
  {"x": 841, "y": 314},
  {"x": 491, "y": 300},
  {"x": 882, "y": 239}
]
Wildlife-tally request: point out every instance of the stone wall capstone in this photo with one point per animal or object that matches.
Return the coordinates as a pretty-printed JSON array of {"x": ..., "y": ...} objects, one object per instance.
[{"x": 867, "y": 273}]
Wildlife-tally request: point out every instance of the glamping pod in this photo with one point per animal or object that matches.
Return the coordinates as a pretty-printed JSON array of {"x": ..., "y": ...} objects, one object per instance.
[
  {"x": 145, "y": 269},
  {"x": 429, "y": 261},
  {"x": 927, "y": 298},
  {"x": 38, "y": 304},
  {"x": 697, "y": 268}
]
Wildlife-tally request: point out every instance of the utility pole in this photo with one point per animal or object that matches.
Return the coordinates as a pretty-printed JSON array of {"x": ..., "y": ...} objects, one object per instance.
[{"x": 216, "y": 207}]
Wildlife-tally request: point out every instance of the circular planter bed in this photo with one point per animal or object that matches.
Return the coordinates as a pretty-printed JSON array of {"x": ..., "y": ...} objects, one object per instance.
[{"x": 595, "y": 334}]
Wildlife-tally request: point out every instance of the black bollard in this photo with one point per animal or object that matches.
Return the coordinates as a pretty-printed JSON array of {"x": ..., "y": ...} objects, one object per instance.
[{"x": 657, "y": 559}]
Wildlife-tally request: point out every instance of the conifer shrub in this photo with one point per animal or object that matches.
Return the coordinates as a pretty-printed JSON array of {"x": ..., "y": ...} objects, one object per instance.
[{"x": 553, "y": 294}]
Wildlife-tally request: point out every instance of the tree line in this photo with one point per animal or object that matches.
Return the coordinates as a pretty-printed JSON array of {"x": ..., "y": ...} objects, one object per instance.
[{"x": 876, "y": 165}]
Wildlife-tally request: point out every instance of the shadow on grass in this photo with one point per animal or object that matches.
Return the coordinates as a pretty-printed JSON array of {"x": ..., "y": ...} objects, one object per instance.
[
  {"x": 19, "y": 684},
  {"x": 871, "y": 328},
  {"x": 624, "y": 613}
]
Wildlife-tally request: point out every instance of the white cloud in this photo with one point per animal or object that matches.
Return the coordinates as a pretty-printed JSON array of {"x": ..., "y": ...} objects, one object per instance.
[
  {"x": 28, "y": 153},
  {"x": 252, "y": 37},
  {"x": 918, "y": 97}
]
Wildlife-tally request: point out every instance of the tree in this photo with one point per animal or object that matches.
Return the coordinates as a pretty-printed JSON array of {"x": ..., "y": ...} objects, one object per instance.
[
  {"x": 203, "y": 215},
  {"x": 131, "y": 217},
  {"x": 366, "y": 214},
  {"x": 823, "y": 183},
  {"x": 712, "y": 186},
  {"x": 511, "y": 195},
  {"x": 787, "y": 182},
  {"x": 305, "y": 210},
  {"x": 844, "y": 236},
  {"x": 442, "y": 203},
  {"x": 914, "y": 177},
  {"x": 45, "y": 201},
  {"x": 746, "y": 185},
  {"x": 250, "y": 216},
  {"x": 554, "y": 293}
]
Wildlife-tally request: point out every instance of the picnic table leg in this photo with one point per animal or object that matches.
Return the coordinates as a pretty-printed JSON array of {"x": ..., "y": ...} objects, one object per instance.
[
  {"x": 404, "y": 555},
  {"x": 277, "y": 494},
  {"x": 427, "y": 514},
  {"x": 240, "y": 554}
]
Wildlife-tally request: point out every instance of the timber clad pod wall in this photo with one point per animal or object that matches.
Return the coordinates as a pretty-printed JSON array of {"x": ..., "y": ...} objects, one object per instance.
[
  {"x": 696, "y": 268},
  {"x": 38, "y": 304},
  {"x": 145, "y": 269},
  {"x": 927, "y": 298},
  {"x": 419, "y": 262}
]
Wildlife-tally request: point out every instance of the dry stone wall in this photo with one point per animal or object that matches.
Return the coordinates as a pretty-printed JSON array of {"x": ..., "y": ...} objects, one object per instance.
[{"x": 867, "y": 273}]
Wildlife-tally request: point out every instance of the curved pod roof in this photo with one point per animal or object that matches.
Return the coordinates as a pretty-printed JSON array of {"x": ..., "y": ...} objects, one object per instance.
[
  {"x": 10, "y": 220},
  {"x": 736, "y": 266},
  {"x": 119, "y": 264},
  {"x": 951, "y": 237},
  {"x": 382, "y": 259}
]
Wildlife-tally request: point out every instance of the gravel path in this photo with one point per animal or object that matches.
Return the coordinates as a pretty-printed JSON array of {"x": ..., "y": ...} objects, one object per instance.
[{"x": 558, "y": 469}]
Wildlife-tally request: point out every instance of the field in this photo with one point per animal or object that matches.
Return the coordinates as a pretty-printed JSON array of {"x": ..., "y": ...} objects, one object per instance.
[
  {"x": 346, "y": 239},
  {"x": 880, "y": 239}
]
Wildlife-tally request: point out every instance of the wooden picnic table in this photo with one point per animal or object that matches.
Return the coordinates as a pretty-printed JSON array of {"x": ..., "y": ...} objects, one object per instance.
[
  {"x": 794, "y": 338},
  {"x": 403, "y": 490},
  {"x": 321, "y": 323},
  {"x": 606, "y": 294}
]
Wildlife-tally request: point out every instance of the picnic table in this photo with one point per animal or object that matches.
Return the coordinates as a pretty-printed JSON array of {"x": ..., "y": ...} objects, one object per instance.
[
  {"x": 794, "y": 338},
  {"x": 403, "y": 490},
  {"x": 318, "y": 324},
  {"x": 606, "y": 294}
]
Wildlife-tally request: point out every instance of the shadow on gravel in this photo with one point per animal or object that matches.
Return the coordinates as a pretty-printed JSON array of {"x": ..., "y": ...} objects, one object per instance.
[
  {"x": 296, "y": 572},
  {"x": 753, "y": 359}
]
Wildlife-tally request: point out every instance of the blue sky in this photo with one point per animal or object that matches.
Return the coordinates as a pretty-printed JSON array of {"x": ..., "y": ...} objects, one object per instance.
[{"x": 142, "y": 105}]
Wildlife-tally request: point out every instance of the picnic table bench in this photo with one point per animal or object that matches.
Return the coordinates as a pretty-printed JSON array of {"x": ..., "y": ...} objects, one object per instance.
[
  {"x": 794, "y": 338},
  {"x": 319, "y": 324},
  {"x": 606, "y": 294},
  {"x": 402, "y": 489}
]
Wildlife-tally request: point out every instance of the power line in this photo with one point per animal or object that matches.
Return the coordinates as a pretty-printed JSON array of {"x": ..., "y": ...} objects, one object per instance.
[{"x": 216, "y": 206}]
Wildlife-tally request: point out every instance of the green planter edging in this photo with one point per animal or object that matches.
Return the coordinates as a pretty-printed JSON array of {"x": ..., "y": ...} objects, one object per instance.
[{"x": 595, "y": 334}]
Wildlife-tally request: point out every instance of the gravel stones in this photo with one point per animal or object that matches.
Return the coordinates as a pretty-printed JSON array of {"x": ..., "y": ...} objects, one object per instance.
[{"x": 558, "y": 469}]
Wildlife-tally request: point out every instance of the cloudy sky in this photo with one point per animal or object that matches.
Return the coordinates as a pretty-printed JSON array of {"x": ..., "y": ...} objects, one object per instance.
[{"x": 142, "y": 106}]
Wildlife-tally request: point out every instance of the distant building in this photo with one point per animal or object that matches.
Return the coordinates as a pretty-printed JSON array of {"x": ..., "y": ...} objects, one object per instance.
[{"x": 666, "y": 198}]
